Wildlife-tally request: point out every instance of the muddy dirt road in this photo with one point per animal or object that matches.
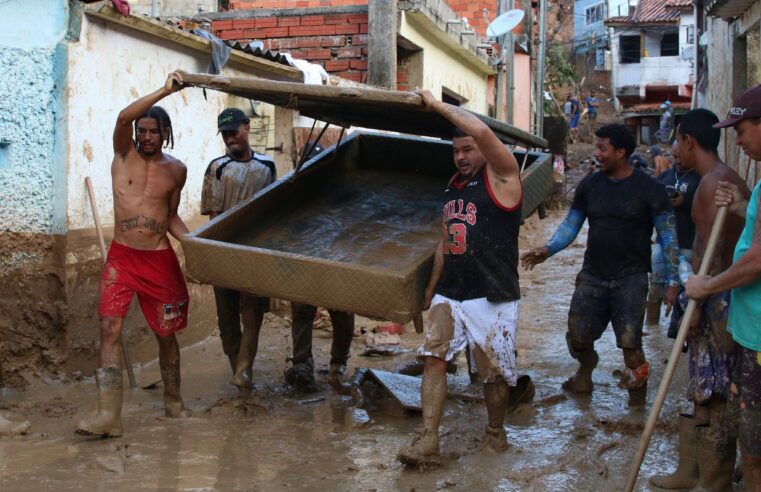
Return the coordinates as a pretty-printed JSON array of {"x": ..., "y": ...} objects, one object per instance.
[{"x": 285, "y": 441}]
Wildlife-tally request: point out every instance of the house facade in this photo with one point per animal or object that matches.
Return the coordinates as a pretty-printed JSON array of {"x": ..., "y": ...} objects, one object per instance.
[{"x": 652, "y": 55}]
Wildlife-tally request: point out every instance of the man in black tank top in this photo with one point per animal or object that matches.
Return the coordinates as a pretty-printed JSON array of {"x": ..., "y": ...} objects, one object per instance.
[
  {"x": 622, "y": 205},
  {"x": 473, "y": 291}
]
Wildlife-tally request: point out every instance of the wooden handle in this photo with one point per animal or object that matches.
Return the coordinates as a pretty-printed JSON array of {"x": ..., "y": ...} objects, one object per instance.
[
  {"x": 104, "y": 256},
  {"x": 676, "y": 351}
]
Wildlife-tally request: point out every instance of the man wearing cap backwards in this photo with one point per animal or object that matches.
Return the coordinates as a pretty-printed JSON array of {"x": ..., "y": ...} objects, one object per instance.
[
  {"x": 706, "y": 450},
  {"x": 744, "y": 278},
  {"x": 147, "y": 184},
  {"x": 473, "y": 291},
  {"x": 622, "y": 205},
  {"x": 229, "y": 180}
]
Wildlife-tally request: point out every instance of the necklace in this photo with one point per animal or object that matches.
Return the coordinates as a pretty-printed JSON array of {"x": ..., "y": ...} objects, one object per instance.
[{"x": 680, "y": 178}]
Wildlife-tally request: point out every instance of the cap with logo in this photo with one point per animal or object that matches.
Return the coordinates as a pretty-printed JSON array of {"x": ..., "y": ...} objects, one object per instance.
[
  {"x": 747, "y": 105},
  {"x": 230, "y": 119}
]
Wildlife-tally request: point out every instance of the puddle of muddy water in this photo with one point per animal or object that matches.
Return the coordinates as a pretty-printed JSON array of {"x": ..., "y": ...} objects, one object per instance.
[{"x": 280, "y": 444}]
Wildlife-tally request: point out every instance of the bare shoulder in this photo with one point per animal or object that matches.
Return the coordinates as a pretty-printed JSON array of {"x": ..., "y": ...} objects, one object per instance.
[{"x": 177, "y": 166}]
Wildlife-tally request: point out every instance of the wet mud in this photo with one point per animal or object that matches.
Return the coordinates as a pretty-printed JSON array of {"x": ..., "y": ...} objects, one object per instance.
[
  {"x": 379, "y": 219},
  {"x": 281, "y": 440}
]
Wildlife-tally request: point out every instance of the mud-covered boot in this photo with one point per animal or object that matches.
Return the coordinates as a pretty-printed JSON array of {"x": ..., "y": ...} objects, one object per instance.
[
  {"x": 108, "y": 421},
  {"x": 581, "y": 382},
  {"x": 9, "y": 428},
  {"x": 686, "y": 474},
  {"x": 301, "y": 376},
  {"x": 495, "y": 439},
  {"x": 424, "y": 450},
  {"x": 716, "y": 462},
  {"x": 174, "y": 407}
]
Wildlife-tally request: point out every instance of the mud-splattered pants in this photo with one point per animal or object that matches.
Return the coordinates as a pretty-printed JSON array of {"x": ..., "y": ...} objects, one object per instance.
[
  {"x": 745, "y": 400},
  {"x": 488, "y": 328}
]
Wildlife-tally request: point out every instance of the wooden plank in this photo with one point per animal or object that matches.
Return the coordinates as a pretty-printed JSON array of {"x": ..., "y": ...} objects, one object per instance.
[{"x": 363, "y": 107}]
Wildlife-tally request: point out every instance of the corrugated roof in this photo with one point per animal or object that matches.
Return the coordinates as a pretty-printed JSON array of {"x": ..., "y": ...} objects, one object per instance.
[
  {"x": 654, "y": 108},
  {"x": 256, "y": 48},
  {"x": 649, "y": 12}
]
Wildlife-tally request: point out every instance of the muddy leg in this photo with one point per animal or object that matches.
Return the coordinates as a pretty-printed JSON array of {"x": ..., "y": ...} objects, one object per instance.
[
  {"x": 585, "y": 353},
  {"x": 169, "y": 362},
  {"x": 716, "y": 449},
  {"x": 252, "y": 317},
  {"x": 228, "y": 319},
  {"x": 496, "y": 394},
  {"x": 654, "y": 301},
  {"x": 425, "y": 446},
  {"x": 686, "y": 474},
  {"x": 751, "y": 466},
  {"x": 301, "y": 375},
  {"x": 108, "y": 421},
  {"x": 343, "y": 331},
  {"x": 635, "y": 378}
]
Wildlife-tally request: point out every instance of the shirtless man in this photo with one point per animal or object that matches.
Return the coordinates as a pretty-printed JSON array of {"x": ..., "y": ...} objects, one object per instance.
[
  {"x": 146, "y": 184},
  {"x": 707, "y": 452}
]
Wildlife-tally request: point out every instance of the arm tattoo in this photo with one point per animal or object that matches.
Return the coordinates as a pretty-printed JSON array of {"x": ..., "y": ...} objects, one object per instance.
[
  {"x": 567, "y": 231},
  {"x": 665, "y": 225},
  {"x": 456, "y": 112}
]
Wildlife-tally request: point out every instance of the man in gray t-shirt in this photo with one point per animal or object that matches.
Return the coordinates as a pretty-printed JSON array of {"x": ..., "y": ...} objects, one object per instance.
[{"x": 229, "y": 180}]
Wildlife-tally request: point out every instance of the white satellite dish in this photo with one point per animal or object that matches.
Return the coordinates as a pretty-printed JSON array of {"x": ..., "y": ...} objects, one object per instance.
[{"x": 505, "y": 23}]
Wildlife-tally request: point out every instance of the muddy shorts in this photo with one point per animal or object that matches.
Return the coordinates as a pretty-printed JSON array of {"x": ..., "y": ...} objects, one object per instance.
[
  {"x": 711, "y": 351},
  {"x": 597, "y": 302},
  {"x": 155, "y": 276},
  {"x": 488, "y": 328},
  {"x": 745, "y": 400}
]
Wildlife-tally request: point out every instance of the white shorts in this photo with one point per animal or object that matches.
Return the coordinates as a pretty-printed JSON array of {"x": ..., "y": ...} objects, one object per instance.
[{"x": 488, "y": 328}]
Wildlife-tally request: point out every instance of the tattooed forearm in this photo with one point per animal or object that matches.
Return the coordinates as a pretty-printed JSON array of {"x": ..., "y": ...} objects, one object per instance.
[
  {"x": 458, "y": 115},
  {"x": 142, "y": 222}
]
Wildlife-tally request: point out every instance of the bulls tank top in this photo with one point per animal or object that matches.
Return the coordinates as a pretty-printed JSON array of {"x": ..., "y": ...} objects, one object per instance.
[{"x": 481, "y": 243}]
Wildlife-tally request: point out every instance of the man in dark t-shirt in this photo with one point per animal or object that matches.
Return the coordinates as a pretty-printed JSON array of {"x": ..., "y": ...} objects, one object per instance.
[
  {"x": 622, "y": 205},
  {"x": 681, "y": 184}
]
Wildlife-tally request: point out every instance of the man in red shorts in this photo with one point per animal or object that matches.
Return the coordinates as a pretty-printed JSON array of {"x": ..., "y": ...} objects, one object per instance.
[{"x": 146, "y": 184}]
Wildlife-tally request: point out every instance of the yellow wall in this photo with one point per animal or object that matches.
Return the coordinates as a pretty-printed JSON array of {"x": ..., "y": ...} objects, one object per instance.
[{"x": 442, "y": 69}]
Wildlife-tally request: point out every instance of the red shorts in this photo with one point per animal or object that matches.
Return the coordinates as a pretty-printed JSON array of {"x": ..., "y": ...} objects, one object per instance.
[{"x": 156, "y": 278}]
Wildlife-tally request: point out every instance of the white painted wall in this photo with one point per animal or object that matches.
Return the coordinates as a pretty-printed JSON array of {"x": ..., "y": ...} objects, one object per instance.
[
  {"x": 173, "y": 7},
  {"x": 441, "y": 69},
  {"x": 110, "y": 67}
]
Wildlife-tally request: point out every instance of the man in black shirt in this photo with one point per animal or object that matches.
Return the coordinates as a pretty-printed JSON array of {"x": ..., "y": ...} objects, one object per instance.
[
  {"x": 622, "y": 205},
  {"x": 681, "y": 183}
]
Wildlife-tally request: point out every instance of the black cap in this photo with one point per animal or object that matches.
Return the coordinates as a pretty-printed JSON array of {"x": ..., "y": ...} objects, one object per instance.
[
  {"x": 747, "y": 105},
  {"x": 230, "y": 119}
]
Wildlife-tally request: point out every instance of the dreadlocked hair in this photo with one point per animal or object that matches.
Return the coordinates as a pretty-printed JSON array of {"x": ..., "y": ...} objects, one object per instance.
[{"x": 165, "y": 123}]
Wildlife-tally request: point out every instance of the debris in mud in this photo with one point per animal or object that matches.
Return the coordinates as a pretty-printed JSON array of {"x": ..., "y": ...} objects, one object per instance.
[
  {"x": 383, "y": 350},
  {"x": 551, "y": 400},
  {"x": 357, "y": 418},
  {"x": 602, "y": 468},
  {"x": 237, "y": 407},
  {"x": 309, "y": 401},
  {"x": 445, "y": 484},
  {"x": 111, "y": 463}
]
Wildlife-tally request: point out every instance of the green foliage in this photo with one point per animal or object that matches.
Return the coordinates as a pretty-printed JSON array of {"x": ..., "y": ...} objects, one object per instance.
[{"x": 560, "y": 71}]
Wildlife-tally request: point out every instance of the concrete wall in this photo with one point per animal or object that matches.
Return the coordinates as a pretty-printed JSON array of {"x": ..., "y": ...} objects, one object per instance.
[
  {"x": 166, "y": 8},
  {"x": 522, "y": 94},
  {"x": 33, "y": 62},
  {"x": 440, "y": 69}
]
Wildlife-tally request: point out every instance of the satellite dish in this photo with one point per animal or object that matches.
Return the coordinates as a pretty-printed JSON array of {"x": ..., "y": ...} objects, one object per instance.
[{"x": 505, "y": 23}]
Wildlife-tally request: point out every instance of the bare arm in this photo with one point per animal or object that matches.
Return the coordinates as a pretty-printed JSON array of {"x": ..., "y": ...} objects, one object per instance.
[
  {"x": 729, "y": 194},
  {"x": 500, "y": 159},
  {"x": 176, "y": 226},
  {"x": 123, "y": 142},
  {"x": 745, "y": 271},
  {"x": 438, "y": 269}
]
